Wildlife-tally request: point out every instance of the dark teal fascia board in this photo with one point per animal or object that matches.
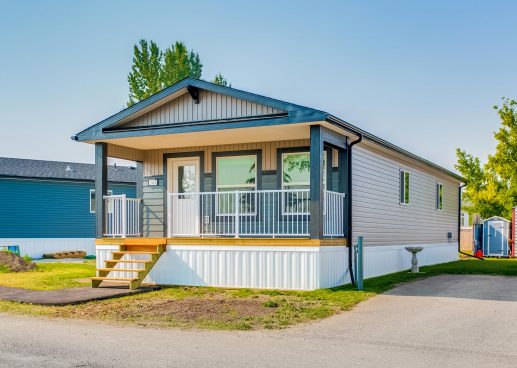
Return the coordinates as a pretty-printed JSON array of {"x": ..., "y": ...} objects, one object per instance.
[
  {"x": 202, "y": 126},
  {"x": 94, "y": 131},
  {"x": 383, "y": 143}
]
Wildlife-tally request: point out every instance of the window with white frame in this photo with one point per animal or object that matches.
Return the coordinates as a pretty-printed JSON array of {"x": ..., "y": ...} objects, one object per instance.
[
  {"x": 93, "y": 205},
  {"x": 404, "y": 187},
  {"x": 296, "y": 173},
  {"x": 439, "y": 196},
  {"x": 236, "y": 173}
]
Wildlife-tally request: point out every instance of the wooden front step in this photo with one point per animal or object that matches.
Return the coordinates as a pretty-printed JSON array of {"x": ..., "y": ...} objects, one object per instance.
[
  {"x": 153, "y": 251},
  {"x": 127, "y": 261},
  {"x": 121, "y": 279},
  {"x": 122, "y": 269},
  {"x": 135, "y": 252}
]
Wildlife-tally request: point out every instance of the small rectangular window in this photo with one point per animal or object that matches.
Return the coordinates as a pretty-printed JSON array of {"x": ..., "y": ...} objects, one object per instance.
[
  {"x": 404, "y": 187},
  {"x": 439, "y": 196},
  {"x": 92, "y": 199}
]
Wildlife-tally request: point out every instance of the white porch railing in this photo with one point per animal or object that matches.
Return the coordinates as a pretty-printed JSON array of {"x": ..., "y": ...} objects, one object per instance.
[
  {"x": 265, "y": 213},
  {"x": 333, "y": 214},
  {"x": 122, "y": 216}
]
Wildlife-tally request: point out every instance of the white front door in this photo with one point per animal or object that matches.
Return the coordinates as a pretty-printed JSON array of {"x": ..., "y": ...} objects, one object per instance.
[{"x": 183, "y": 208}]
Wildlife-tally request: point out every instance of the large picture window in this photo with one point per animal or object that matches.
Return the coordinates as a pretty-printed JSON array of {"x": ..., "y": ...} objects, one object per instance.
[
  {"x": 296, "y": 175},
  {"x": 236, "y": 173}
]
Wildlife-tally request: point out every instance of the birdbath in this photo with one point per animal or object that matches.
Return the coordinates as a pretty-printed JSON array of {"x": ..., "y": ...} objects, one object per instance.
[{"x": 414, "y": 260}]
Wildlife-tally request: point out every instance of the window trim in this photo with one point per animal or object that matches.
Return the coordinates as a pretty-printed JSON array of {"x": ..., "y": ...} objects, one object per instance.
[
  {"x": 327, "y": 178},
  {"x": 402, "y": 187},
  {"x": 110, "y": 192},
  {"x": 258, "y": 174},
  {"x": 437, "y": 199}
]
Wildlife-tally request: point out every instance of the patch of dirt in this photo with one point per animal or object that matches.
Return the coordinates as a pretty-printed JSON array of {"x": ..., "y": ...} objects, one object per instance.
[
  {"x": 15, "y": 263},
  {"x": 221, "y": 309}
]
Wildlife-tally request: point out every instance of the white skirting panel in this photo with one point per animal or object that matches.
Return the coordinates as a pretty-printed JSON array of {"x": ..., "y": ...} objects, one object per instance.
[
  {"x": 274, "y": 267},
  {"x": 36, "y": 247},
  {"x": 386, "y": 259}
]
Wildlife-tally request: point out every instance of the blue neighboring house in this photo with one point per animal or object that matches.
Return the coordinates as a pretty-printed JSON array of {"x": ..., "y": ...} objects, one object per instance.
[{"x": 49, "y": 206}]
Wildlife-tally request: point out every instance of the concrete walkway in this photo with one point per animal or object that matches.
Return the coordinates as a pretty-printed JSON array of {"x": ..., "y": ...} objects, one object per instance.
[
  {"x": 445, "y": 321},
  {"x": 66, "y": 296}
]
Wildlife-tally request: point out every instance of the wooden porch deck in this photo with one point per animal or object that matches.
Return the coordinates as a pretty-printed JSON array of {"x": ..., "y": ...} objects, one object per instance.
[{"x": 293, "y": 242}]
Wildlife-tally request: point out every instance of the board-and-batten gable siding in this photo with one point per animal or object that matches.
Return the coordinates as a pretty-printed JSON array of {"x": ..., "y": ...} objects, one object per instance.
[
  {"x": 49, "y": 209},
  {"x": 153, "y": 159},
  {"x": 211, "y": 106},
  {"x": 382, "y": 220}
]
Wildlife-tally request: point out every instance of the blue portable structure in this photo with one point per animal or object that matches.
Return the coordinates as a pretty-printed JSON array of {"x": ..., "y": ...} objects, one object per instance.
[{"x": 495, "y": 237}]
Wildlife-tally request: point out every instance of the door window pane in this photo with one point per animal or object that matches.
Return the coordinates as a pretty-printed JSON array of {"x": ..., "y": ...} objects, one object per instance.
[{"x": 186, "y": 179}]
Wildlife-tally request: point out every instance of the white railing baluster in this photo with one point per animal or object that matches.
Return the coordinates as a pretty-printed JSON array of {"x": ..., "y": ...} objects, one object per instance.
[{"x": 266, "y": 213}]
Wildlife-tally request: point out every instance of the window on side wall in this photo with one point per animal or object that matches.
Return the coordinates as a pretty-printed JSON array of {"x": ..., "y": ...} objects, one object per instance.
[
  {"x": 296, "y": 174},
  {"x": 236, "y": 173},
  {"x": 92, "y": 199},
  {"x": 404, "y": 187},
  {"x": 439, "y": 196}
]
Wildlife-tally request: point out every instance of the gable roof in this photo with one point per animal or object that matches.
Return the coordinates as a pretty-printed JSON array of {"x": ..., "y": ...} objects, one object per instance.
[
  {"x": 292, "y": 113},
  {"x": 496, "y": 218},
  {"x": 40, "y": 169}
]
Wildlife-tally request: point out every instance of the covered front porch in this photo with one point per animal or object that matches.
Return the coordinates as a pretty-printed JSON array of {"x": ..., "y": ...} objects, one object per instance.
[
  {"x": 234, "y": 189},
  {"x": 236, "y": 195}
]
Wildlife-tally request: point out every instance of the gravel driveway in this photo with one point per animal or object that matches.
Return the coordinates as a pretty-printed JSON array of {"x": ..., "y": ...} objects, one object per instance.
[{"x": 444, "y": 321}]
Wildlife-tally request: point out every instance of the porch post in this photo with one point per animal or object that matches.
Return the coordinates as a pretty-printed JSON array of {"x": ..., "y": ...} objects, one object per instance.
[
  {"x": 140, "y": 194},
  {"x": 101, "y": 186},
  {"x": 343, "y": 184},
  {"x": 316, "y": 183}
]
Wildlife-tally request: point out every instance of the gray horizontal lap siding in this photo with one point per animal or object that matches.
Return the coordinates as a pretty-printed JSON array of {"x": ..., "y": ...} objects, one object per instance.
[
  {"x": 35, "y": 208},
  {"x": 211, "y": 106},
  {"x": 153, "y": 208},
  {"x": 382, "y": 220}
]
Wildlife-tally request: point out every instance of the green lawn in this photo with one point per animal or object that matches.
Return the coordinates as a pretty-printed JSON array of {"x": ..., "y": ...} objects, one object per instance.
[
  {"x": 234, "y": 309},
  {"x": 50, "y": 276}
]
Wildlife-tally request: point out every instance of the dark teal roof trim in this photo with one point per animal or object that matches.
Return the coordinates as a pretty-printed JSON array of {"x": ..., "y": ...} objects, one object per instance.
[
  {"x": 106, "y": 129},
  {"x": 103, "y": 129}
]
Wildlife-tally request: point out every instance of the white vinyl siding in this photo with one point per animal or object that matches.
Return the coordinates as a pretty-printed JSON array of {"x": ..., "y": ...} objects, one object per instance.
[{"x": 377, "y": 215}]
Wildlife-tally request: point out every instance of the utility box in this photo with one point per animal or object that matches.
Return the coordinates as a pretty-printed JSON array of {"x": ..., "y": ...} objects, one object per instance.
[{"x": 495, "y": 237}]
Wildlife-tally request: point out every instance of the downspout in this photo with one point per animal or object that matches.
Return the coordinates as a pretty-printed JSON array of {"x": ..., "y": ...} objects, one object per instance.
[
  {"x": 349, "y": 207},
  {"x": 459, "y": 224}
]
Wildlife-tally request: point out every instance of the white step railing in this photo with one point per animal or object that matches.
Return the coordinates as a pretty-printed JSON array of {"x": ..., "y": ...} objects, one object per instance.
[
  {"x": 265, "y": 213},
  {"x": 122, "y": 216}
]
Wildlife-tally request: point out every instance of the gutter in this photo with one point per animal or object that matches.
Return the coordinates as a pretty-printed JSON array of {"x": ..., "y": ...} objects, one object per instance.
[
  {"x": 459, "y": 225},
  {"x": 349, "y": 204}
]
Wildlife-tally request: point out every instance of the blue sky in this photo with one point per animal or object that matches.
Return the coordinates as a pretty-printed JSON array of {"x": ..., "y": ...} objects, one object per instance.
[{"x": 421, "y": 74}]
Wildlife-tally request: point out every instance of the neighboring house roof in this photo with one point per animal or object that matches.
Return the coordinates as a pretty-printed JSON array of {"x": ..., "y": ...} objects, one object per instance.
[
  {"x": 286, "y": 113},
  {"x": 496, "y": 218},
  {"x": 40, "y": 169}
]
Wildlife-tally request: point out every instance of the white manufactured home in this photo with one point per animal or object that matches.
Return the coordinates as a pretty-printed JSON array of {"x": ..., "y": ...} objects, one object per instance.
[{"x": 242, "y": 190}]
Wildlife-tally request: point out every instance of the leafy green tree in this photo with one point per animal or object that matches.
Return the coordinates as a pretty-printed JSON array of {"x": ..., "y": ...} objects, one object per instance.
[
  {"x": 178, "y": 63},
  {"x": 221, "y": 80},
  {"x": 154, "y": 70},
  {"x": 144, "y": 78},
  {"x": 492, "y": 188}
]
